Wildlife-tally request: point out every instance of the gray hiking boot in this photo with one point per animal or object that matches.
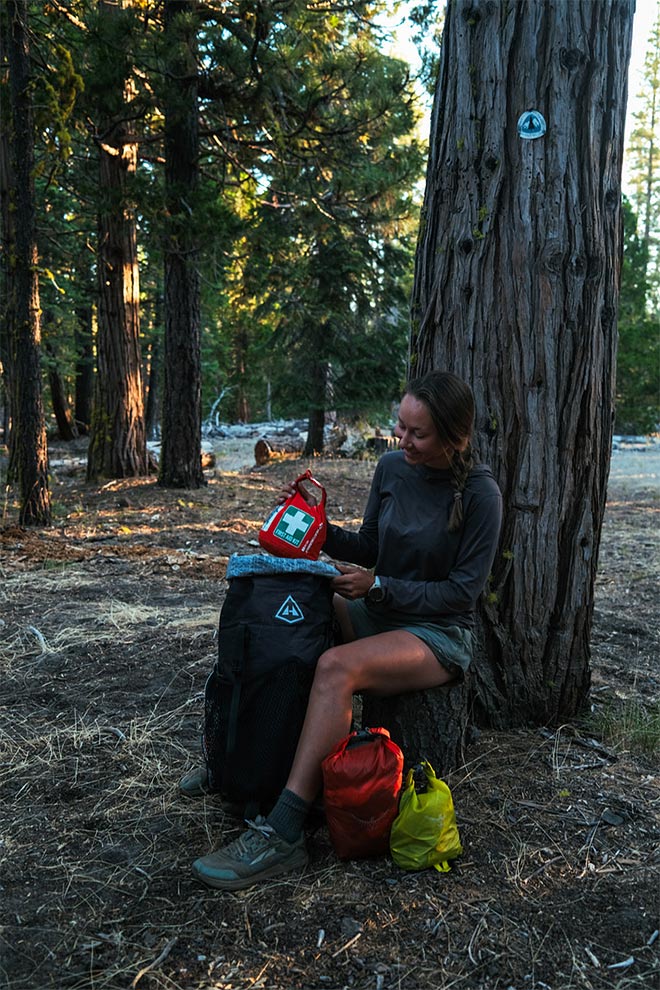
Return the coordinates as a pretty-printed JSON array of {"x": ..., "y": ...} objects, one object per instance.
[
  {"x": 258, "y": 854},
  {"x": 195, "y": 783}
]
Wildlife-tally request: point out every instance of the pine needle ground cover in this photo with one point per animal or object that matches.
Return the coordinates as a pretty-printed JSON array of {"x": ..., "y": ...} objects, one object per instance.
[{"x": 107, "y": 634}]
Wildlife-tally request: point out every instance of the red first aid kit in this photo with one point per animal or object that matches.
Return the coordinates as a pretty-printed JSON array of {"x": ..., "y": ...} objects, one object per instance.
[
  {"x": 362, "y": 778},
  {"x": 298, "y": 527}
]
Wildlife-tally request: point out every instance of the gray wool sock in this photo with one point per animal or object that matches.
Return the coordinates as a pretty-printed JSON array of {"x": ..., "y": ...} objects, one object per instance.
[{"x": 288, "y": 816}]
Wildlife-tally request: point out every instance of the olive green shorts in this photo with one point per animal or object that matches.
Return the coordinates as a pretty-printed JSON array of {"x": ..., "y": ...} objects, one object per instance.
[{"x": 451, "y": 645}]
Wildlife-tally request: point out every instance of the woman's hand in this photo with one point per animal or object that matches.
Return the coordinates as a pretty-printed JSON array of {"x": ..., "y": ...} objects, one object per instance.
[
  {"x": 286, "y": 492},
  {"x": 353, "y": 582},
  {"x": 309, "y": 493}
]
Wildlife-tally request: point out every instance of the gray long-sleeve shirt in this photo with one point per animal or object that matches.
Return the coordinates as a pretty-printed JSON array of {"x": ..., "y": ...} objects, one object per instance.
[{"x": 427, "y": 572}]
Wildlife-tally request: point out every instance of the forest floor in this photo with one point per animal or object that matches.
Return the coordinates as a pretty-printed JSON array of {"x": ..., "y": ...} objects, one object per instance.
[{"x": 107, "y": 634}]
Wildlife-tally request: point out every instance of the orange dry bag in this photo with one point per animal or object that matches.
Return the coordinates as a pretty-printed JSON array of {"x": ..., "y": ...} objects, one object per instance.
[
  {"x": 297, "y": 528},
  {"x": 362, "y": 779}
]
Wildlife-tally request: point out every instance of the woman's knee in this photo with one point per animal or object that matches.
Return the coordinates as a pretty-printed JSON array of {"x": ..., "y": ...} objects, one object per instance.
[{"x": 333, "y": 666}]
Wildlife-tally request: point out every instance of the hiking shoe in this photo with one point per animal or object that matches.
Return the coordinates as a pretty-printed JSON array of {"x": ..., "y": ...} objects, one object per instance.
[
  {"x": 258, "y": 854},
  {"x": 195, "y": 783}
]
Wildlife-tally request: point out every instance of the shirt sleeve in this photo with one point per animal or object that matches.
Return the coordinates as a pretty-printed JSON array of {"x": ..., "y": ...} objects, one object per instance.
[{"x": 459, "y": 591}]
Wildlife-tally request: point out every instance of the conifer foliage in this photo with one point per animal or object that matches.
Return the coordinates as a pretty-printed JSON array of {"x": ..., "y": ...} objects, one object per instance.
[{"x": 224, "y": 191}]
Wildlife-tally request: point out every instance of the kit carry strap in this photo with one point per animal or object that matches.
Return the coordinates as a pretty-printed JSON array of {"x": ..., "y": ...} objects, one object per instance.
[{"x": 308, "y": 476}]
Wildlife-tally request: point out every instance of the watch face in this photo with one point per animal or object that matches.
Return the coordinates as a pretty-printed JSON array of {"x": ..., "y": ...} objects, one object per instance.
[{"x": 376, "y": 594}]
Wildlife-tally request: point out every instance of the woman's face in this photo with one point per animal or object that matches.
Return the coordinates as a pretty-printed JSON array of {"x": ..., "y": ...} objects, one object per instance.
[{"x": 418, "y": 438}]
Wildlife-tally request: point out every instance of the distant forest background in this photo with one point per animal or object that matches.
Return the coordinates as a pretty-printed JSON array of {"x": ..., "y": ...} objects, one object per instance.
[{"x": 263, "y": 164}]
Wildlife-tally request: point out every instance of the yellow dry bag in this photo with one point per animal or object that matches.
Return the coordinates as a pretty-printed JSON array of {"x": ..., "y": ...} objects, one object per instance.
[{"x": 425, "y": 832}]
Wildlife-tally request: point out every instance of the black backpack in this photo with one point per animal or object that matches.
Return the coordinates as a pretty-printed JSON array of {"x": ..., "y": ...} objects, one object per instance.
[{"x": 275, "y": 622}]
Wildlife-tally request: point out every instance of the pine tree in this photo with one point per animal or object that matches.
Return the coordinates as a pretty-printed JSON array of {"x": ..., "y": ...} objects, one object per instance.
[
  {"x": 638, "y": 358},
  {"x": 117, "y": 446},
  {"x": 181, "y": 465},
  {"x": 29, "y": 454},
  {"x": 329, "y": 236},
  {"x": 644, "y": 164}
]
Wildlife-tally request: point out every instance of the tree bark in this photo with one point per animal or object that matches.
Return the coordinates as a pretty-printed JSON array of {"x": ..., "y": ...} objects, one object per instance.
[
  {"x": 516, "y": 288},
  {"x": 316, "y": 422},
  {"x": 117, "y": 447},
  {"x": 84, "y": 341},
  {"x": 153, "y": 380},
  {"x": 181, "y": 465},
  {"x": 6, "y": 252},
  {"x": 427, "y": 725},
  {"x": 66, "y": 427},
  {"x": 29, "y": 447}
]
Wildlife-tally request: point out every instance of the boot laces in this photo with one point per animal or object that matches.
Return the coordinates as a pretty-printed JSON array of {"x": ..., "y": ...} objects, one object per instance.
[{"x": 251, "y": 841}]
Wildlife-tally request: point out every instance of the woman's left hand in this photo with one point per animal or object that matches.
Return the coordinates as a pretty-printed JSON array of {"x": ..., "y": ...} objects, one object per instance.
[{"x": 353, "y": 582}]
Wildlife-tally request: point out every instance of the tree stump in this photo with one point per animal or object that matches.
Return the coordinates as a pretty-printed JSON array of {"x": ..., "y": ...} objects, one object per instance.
[{"x": 428, "y": 725}]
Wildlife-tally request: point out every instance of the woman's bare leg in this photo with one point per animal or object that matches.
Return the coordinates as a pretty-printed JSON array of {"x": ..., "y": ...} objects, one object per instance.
[{"x": 389, "y": 663}]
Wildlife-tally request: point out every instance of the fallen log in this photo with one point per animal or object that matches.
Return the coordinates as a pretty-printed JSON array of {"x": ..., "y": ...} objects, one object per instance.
[
  {"x": 267, "y": 447},
  {"x": 153, "y": 459}
]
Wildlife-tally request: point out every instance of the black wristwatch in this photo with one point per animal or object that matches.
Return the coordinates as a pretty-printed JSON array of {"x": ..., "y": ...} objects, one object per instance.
[{"x": 376, "y": 593}]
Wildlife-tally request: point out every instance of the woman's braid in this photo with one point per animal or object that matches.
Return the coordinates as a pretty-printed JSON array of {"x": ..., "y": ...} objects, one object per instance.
[
  {"x": 461, "y": 464},
  {"x": 451, "y": 404}
]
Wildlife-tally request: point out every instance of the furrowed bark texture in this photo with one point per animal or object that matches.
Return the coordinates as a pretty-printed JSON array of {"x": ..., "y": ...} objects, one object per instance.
[
  {"x": 29, "y": 445},
  {"x": 516, "y": 291},
  {"x": 181, "y": 465},
  {"x": 7, "y": 251},
  {"x": 118, "y": 446}
]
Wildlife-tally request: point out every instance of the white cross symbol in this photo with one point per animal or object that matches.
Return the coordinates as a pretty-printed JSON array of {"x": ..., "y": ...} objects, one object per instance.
[{"x": 292, "y": 521}]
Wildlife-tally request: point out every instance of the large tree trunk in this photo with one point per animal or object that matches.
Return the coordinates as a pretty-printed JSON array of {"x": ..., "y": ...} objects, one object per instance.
[
  {"x": 117, "y": 447},
  {"x": 6, "y": 252},
  {"x": 516, "y": 290},
  {"x": 29, "y": 448},
  {"x": 181, "y": 465}
]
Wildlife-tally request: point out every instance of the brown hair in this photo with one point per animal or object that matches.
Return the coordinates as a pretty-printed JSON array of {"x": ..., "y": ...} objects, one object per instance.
[{"x": 451, "y": 405}]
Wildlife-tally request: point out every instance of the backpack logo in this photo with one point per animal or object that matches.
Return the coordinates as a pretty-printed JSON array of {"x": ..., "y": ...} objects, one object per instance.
[
  {"x": 290, "y": 611},
  {"x": 294, "y": 525}
]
